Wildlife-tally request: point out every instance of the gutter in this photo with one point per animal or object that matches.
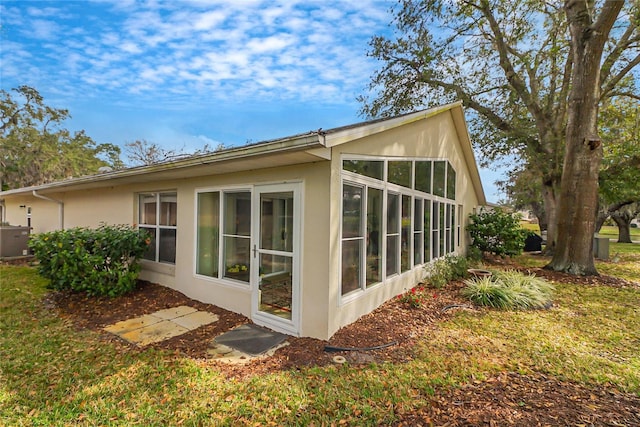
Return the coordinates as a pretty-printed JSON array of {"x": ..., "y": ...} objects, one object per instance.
[{"x": 60, "y": 206}]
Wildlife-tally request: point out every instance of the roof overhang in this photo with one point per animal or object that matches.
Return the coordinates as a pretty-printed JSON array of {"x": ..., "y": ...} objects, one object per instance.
[
  {"x": 294, "y": 150},
  {"x": 298, "y": 149}
]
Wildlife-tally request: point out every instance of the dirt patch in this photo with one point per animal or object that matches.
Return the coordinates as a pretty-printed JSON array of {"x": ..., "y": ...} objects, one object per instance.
[{"x": 506, "y": 399}]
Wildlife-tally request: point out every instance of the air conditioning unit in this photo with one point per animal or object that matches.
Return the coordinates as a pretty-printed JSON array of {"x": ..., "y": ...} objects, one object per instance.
[{"x": 14, "y": 241}]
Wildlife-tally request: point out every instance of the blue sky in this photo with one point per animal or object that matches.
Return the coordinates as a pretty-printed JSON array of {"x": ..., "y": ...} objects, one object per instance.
[{"x": 184, "y": 73}]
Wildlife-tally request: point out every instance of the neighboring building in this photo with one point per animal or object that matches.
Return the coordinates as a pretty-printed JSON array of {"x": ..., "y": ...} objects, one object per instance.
[{"x": 303, "y": 234}]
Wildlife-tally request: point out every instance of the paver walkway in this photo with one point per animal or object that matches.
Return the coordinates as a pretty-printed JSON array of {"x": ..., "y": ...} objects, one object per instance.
[{"x": 161, "y": 325}]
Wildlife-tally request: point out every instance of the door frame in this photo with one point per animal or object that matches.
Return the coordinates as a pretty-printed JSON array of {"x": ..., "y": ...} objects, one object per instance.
[{"x": 291, "y": 327}]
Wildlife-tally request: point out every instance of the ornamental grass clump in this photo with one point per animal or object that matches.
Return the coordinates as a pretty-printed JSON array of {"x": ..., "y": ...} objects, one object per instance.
[
  {"x": 102, "y": 261},
  {"x": 510, "y": 289}
]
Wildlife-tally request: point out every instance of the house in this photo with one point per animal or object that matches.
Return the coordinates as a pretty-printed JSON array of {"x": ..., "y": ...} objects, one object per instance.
[{"x": 303, "y": 234}]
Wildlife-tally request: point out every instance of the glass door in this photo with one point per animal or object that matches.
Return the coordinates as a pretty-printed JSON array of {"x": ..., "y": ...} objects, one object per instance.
[{"x": 275, "y": 253}]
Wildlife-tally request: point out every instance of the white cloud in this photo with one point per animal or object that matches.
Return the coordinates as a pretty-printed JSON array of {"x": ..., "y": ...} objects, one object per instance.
[{"x": 215, "y": 49}]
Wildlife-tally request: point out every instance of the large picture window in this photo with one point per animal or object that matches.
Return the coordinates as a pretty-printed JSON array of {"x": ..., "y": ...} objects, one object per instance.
[
  {"x": 396, "y": 215},
  {"x": 157, "y": 214},
  {"x": 224, "y": 235}
]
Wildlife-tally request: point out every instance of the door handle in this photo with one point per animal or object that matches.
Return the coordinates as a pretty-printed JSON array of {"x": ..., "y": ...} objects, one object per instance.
[{"x": 255, "y": 251}]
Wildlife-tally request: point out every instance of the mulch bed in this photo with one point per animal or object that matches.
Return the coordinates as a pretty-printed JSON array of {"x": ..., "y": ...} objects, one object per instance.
[{"x": 505, "y": 399}]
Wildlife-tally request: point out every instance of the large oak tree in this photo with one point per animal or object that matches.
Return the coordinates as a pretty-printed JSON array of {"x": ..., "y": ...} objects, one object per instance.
[
  {"x": 36, "y": 149},
  {"x": 534, "y": 73}
]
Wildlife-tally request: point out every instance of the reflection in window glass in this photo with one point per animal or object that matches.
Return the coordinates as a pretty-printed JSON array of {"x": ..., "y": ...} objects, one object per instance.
[
  {"x": 427, "y": 230},
  {"x": 439, "y": 169},
  {"x": 351, "y": 257},
  {"x": 147, "y": 210},
  {"x": 435, "y": 253},
  {"x": 237, "y": 213},
  {"x": 442, "y": 229},
  {"x": 400, "y": 173},
  {"x": 423, "y": 176},
  {"x": 451, "y": 182},
  {"x": 237, "y": 235},
  {"x": 393, "y": 233},
  {"x": 417, "y": 232},
  {"x": 352, "y": 201},
  {"x": 374, "y": 242},
  {"x": 405, "y": 239},
  {"x": 167, "y": 245},
  {"x": 276, "y": 221},
  {"x": 168, "y": 209},
  {"x": 150, "y": 253},
  {"x": 370, "y": 168},
  {"x": 208, "y": 234},
  {"x": 352, "y": 237}
]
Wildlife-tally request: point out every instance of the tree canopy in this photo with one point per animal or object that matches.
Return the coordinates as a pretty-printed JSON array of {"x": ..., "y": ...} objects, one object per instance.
[
  {"x": 516, "y": 65},
  {"x": 36, "y": 149}
]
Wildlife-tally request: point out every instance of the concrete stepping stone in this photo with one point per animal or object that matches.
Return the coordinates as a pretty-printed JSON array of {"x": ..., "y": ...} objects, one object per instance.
[
  {"x": 132, "y": 324},
  {"x": 172, "y": 313},
  {"x": 161, "y": 325},
  {"x": 160, "y": 331},
  {"x": 195, "y": 320}
]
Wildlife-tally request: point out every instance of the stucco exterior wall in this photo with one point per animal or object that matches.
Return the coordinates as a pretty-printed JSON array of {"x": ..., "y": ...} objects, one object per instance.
[{"x": 315, "y": 248}]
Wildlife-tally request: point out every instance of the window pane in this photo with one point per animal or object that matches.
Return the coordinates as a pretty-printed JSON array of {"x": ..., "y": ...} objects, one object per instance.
[
  {"x": 374, "y": 242},
  {"x": 276, "y": 280},
  {"x": 423, "y": 176},
  {"x": 147, "y": 209},
  {"x": 392, "y": 255},
  {"x": 352, "y": 201},
  {"x": 448, "y": 229},
  {"x": 236, "y": 258},
  {"x": 167, "y": 245},
  {"x": 451, "y": 182},
  {"x": 276, "y": 221},
  {"x": 237, "y": 213},
  {"x": 439, "y": 169},
  {"x": 393, "y": 220},
  {"x": 400, "y": 173},
  {"x": 208, "y": 234},
  {"x": 427, "y": 230},
  {"x": 370, "y": 168},
  {"x": 405, "y": 242},
  {"x": 150, "y": 253},
  {"x": 442, "y": 229},
  {"x": 168, "y": 209},
  {"x": 434, "y": 229},
  {"x": 417, "y": 228},
  {"x": 351, "y": 257}
]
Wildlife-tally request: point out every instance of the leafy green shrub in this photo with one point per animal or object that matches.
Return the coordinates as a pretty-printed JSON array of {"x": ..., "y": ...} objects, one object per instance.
[
  {"x": 497, "y": 232},
  {"x": 509, "y": 289},
  {"x": 102, "y": 261},
  {"x": 443, "y": 270}
]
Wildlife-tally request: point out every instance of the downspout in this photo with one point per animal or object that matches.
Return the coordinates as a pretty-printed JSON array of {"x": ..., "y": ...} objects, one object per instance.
[{"x": 60, "y": 207}]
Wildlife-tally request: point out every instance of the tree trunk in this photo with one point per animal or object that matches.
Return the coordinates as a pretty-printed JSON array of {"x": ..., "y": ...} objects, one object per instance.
[
  {"x": 624, "y": 233},
  {"x": 583, "y": 153},
  {"x": 551, "y": 211},
  {"x": 600, "y": 219}
]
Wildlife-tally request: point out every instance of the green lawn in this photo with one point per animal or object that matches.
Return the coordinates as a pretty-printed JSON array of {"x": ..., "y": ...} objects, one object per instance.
[{"x": 54, "y": 374}]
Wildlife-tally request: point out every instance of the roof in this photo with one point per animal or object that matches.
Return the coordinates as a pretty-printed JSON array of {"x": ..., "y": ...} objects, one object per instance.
[{"x": 306, "y": 147}]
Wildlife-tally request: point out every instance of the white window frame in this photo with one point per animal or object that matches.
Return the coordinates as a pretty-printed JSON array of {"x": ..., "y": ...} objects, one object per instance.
[{"x": 157, "y": 226}]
